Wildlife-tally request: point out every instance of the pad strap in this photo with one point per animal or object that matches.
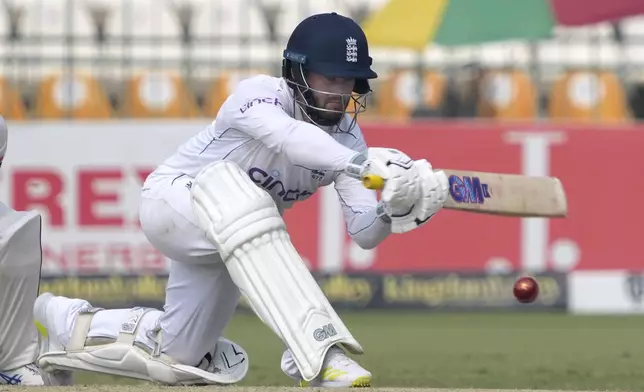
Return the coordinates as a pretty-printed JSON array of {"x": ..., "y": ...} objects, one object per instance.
[
  {"x": 81, "y": 328},
  {"x": 83, "y": 323},
  {"x": 127, "y": 334}
]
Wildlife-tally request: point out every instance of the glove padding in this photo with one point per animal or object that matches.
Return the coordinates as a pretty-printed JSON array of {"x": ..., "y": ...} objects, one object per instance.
[{"x": 413, "y": 192}]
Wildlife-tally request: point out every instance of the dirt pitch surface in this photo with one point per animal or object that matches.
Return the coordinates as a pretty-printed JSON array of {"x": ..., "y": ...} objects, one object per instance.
[{"x": 152, "y": 388}]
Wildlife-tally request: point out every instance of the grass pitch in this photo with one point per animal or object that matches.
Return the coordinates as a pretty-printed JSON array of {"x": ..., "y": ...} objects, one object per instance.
[
  {"x": 449, "y": 352},
  {"x": 137, "y": 388}
]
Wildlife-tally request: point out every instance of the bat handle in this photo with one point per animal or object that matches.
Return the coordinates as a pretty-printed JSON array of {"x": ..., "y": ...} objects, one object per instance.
[{"x": 372, "y": 181}]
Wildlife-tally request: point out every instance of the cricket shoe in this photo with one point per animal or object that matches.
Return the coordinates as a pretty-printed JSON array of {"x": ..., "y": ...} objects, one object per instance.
[
  {"x": 44, "y": 311},
  {"x": 338, "y": 371},
  {"x": 28, "y": 375}
]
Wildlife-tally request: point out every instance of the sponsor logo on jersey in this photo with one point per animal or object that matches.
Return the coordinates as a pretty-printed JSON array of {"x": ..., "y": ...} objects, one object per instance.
[
  {"x": 275, "y": 186},
  {"x": 317, "y": 175},
  {"x": 257, "y": 101},
  {"x": 468, "y": 190}
]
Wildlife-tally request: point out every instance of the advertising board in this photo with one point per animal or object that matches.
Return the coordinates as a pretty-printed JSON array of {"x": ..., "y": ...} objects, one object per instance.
[
  {"x": 449, "y": 291},
  {"x": 85, "y": 178},
  {"x": 606, "y": 292}
]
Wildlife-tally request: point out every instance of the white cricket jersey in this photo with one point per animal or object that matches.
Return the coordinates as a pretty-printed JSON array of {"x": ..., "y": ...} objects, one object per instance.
[{"x": 259, "y": 127}]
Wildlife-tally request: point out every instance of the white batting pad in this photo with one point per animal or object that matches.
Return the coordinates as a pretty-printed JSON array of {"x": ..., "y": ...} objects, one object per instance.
[
  {"x": 126, "y": 359},
  {"x": 244, "y": 224}
]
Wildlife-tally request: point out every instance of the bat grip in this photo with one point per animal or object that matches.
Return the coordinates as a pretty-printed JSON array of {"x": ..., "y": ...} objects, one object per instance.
[{"x": 372, "y": 181}]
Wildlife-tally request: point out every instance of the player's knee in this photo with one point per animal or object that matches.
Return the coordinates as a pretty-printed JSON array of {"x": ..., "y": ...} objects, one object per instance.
[
  {"x": 173, "y": 235},
  {"x": 158, "y": 226},
  {"x": 231, "y": 208}
]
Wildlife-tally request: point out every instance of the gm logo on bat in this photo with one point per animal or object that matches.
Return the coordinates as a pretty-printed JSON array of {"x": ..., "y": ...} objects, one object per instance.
[{"x": 468, "y": 190}]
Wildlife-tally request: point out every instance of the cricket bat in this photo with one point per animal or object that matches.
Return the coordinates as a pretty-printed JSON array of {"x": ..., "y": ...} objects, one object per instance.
[{"x": 499, "y": 194}]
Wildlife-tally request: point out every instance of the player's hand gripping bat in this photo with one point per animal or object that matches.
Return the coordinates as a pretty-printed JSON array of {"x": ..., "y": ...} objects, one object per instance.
[{"x": 498, "y": 194}]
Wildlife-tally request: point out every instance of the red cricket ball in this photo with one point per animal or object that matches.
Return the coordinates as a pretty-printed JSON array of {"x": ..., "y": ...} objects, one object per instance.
[{"x": 526, "y": 289}]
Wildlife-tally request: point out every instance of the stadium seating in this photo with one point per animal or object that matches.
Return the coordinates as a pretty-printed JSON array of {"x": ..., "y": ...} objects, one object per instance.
[
  {"x": 588, "y": 95},
  {"x": 158, "y": 94},
  {"x": 233, "y": 39},
  {"x": 152, "y": 27},
  {"x": 398, "y": 93},
  {"x": 72, "y": 95},
  {"x": 58, "y": 36},
  {"x": 508, "y": 95},
  {"x": 221, "y": 87},
  {"x": 11, "y": 105}
]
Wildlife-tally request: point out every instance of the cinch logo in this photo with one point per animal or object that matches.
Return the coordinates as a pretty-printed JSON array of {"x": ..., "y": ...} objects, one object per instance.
[
  {"x": 268, "y": 182},
  {"x": 257, "y": 101},
  {"x": 468, "y": 190}
]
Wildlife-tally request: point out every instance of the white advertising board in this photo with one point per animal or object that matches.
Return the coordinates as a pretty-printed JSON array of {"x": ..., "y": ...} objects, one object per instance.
[
  {"x": 85, "y": 179},
  {"x": 606, "y": 292}
]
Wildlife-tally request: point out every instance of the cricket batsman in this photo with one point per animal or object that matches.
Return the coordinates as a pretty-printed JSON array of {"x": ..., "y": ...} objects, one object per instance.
[
  {"x": 215, "y": 209},
  {"x": 20, "y": 263}
]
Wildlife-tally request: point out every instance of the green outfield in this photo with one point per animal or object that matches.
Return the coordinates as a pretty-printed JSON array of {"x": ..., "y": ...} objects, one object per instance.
[{"x": 450, "y": 351}]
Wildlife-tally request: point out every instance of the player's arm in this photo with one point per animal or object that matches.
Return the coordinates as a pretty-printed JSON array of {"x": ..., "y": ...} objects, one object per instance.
[
  {"x": 367, "y": 223},
  {"x": 255, "y": 108}
]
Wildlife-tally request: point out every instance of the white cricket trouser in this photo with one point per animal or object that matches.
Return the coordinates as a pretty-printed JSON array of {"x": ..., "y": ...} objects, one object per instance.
[
  {"x": 200, "y": 296},
  {"x": 20, "y": 263}
]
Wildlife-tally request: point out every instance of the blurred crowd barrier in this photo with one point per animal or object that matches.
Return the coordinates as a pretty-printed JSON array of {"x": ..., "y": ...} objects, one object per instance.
[{"x": 89, "y": 59}]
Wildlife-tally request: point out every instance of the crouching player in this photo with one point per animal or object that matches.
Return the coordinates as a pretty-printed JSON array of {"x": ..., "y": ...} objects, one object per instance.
[{"x": 214, "y": 208}]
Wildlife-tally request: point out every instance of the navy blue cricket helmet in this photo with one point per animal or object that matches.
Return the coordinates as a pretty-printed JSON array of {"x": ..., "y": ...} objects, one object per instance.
[{"x": 334, "y": 46}]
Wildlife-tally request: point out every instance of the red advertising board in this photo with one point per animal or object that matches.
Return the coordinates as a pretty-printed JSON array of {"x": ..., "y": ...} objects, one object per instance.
[
  {"x": 600, "y": 168},
  {"x": 86, "y": 179}
]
